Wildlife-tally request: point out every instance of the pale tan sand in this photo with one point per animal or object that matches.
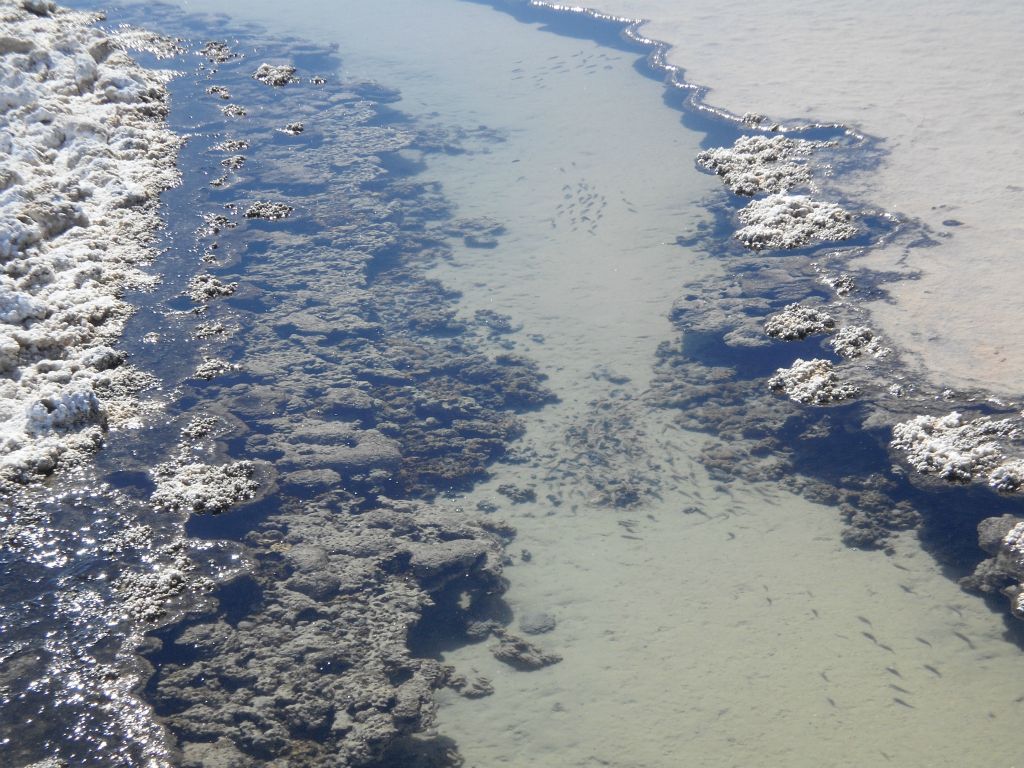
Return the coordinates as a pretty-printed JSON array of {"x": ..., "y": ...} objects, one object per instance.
[{"x": 939, "y": 83}]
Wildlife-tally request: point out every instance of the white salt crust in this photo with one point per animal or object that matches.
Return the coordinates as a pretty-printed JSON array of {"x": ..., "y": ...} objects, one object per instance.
[{"x": 86, "y": 154}]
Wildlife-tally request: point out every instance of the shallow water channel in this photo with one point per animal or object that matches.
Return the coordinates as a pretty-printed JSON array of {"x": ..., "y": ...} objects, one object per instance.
[{"x": 699, "y": 623}]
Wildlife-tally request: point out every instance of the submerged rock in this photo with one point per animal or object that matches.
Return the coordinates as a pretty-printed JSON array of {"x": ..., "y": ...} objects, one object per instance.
[
  {"x": 791, "y": 221},
  {"x": 536, "y": 622},
  {"x": 813, "y": 382},
  {"x": 520, "y": 653},
  {"x": 327, "y": 653}
]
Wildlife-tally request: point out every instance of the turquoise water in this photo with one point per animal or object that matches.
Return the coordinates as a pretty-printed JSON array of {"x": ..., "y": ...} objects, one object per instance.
[{"x": 487, "y": 187}]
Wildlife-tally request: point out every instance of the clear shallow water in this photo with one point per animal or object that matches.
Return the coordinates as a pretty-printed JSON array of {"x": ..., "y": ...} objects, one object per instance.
[{"x": 732, "y": 635}]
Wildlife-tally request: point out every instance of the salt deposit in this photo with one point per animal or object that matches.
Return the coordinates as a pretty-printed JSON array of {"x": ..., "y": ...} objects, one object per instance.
[
  {"x": 275, "y": 75},
  {"x": 792, "y": 221},
  {"x": 756, "y": 164},
  {"x": 814, "y": 382},
  {"x": 797, "y": 321},
  {"x": 198, "y": 487},
  {"x": 87, "y": 154},
  {"x": 853, "y": 341},
  {"x": 952, "y": 447}
]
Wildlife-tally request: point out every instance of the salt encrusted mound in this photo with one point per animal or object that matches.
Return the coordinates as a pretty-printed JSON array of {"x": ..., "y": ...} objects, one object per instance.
[
  {"x": 1007, "y": 477},
  {"x": 86, "y": 154},
  {"x": 205, "y": 287},
  {"x": 952, "y": 448},
  {"x": 755, "y": 164},
  {"x": 790, "y": 221},
  {"x": 200, "y": 487},
  {"x": 269, "y": 211},
  {"x": 1003, "y": 538},
  {"x": 275, "y": 75},
  {"x": 853, "y": 341},
  {"x": 796, "y": 321},
  {"x": 811, "y": 381}
]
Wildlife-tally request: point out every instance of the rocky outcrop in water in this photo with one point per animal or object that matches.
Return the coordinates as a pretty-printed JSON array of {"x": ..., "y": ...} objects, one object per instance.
[{"x": 854, "y": 341}]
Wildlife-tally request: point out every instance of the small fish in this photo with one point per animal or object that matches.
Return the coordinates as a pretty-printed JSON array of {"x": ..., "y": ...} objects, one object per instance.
[
  {"x": 832, "y": 701},
  {"x": 768, "y": 599},
  {"x": 824, "y": 676},
  {"x": 923, "y": 641},
  {"x": 902, "y": 703},
  {"x": 907, "y": 589},
  {"x": 901, "y": 567},
  {"x": 815, "y": 612},
  {"x": 901, "y": 690},
  {"x": 870, "y": 637},
  {"x": 894, "y": 671},
  {"x": 731, "y": 535},
  {"x": 933, "y": 670},
  {"x": 966, "y": 639},
  {"x": 885, "y": 647},
  {"x": 955, "y": 610},
  {"x": 864, "y": 620}
]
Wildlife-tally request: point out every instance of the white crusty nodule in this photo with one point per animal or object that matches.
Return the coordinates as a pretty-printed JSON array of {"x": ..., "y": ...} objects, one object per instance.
[
  {"x": 951, "y": 447},
  {"x": 790, "y": 221},
  {"x": 755, "y": 164},
  {"x": 86, "y": 154},
  {"x": 798, "y": 321},
  {"x": 813, "y": 382}
]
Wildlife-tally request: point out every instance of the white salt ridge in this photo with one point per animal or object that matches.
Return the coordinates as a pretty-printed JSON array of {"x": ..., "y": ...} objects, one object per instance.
[{"x": 86, "y": 155}]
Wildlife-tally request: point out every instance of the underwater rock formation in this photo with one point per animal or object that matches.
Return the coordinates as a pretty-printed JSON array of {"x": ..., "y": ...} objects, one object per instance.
[{"x": 320, "y": 673}]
